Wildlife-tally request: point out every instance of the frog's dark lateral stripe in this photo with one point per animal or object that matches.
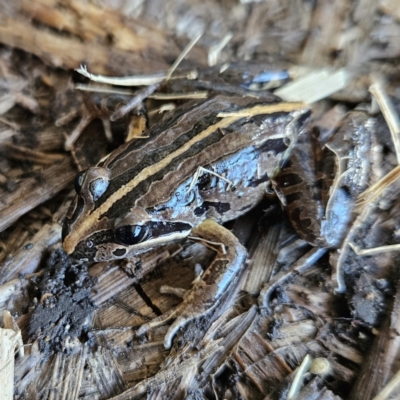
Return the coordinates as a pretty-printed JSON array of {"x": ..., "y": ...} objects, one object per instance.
[{"x": 155, "y": 169}]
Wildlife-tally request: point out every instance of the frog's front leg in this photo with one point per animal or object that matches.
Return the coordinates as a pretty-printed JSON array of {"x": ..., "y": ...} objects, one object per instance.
[{"x": 210, "y": 289}]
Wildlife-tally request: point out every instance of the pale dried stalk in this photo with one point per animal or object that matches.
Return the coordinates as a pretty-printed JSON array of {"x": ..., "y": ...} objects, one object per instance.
[
  {"x": 26, "y": 154},
  {"x": 215, "y": 50},
  {"x": 314, "y": 86},
  {"x": 103, "y": 89},
  {"x": 375, "y": 250},
  {"x": 179, "y": 96},
  {"x": 164, "y": 108},
  {"x": 134, "y": 80},
  {"x": 373, "y": 192},
  {"x": 376, "y": 190},
  {"x": 298, "y": 379},
  {"x": 10, "y": 339},
  {"x": 182, "y": 56},
  {"x": 136, "y": 101},
  {"x": 389, "y": 113},
  {"x": 7, "y": 344},
  {"x": 9, "y": 323},
  {"x": 390, "y": 388}
]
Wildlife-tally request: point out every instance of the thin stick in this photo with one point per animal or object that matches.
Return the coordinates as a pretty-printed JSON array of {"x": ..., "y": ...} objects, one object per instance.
[
  {"x": 389, "y": 113},
  {"x": 179, "y": 96},
  {"x": 200, "y": 171},
  {"x": 157, "y": 96},
  {"x": 134, "y": 80},
  {"x": 182, "y": 56},
  {"x": 83, "y": 123},
  {"x": 390, "y": 388},
  {"x": 103, "y": 89},
  {"x": 372, "y": 193},
  {"x": 374, "y": 250},
  {"x": 215, "y": 50},
  {"x": 299, "y": 377},
  {"x": 10, "y": 124},
  {"x": 140, "y": 96},
  {"x": 164, "y": 108}
]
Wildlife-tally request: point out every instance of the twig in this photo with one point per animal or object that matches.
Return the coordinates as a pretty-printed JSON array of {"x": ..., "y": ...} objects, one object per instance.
[
  {"x": 179, "y": 96},
  {"x": 298, "y": 379},
  {"x": 140, "y": 96},
  {"x": 389, "y": 113},
  {"x": 375, "y": 250},
  {"x": 134, "y": 80},
  {"x": 182, "y": 56},
  {"x": 372, "y": 193},
  {"x": 390, "y": 388},
  {"x": 103, "y": 89},
  {"x": 215, "y": 50}
]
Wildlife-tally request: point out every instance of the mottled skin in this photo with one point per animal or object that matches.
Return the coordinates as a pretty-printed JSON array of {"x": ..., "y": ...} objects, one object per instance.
[{"x": 321, "y": 185}]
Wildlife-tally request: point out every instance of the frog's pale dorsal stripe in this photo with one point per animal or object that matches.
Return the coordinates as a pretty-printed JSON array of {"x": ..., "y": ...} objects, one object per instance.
[
  {"x": 126, "y": 150},
  {"x": 76, "y": 235},
  {"x": 172, "y": 126}
]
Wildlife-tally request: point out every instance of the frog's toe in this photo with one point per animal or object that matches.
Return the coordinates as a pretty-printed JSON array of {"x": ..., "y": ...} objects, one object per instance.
[
  {"x": 179, "y": 323},
  {"x": 187, "y": 312},
  {"x": 158, "y": 321},
  {"x": 182, "y": 315}
]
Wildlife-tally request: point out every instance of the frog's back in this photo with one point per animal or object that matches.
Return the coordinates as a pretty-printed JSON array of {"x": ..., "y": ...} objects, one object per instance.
[{"x": 237, "y": 140}]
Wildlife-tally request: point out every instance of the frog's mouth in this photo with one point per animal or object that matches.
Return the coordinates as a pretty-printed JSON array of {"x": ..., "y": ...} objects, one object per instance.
[
  {"x": 111, "y": 244},
  {"x": 152, "y": 230}
]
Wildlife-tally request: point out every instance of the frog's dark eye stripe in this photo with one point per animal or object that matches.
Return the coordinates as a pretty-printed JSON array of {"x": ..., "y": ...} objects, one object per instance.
[
  {"x": 134, "y": 234},
  {"x": 167, "y": 228}
]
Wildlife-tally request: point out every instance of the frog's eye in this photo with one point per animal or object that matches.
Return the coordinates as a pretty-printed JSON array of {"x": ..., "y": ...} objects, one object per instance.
[
  {"x": 92, "y": 183},
  {"x": 131, "y": 234},
  {"x": 98, "y": 187},
  {"x": 78, "y": 181}
]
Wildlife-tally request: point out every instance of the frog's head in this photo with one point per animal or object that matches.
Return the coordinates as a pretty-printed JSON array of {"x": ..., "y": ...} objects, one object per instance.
[{"x": 101, "y": 226}]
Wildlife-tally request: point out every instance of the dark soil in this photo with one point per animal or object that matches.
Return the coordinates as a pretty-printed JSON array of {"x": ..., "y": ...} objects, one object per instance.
[{"x": 64, "y": 310}]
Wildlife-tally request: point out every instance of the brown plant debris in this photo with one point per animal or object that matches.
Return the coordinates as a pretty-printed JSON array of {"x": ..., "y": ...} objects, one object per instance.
[{"x": 313, "y": 314}]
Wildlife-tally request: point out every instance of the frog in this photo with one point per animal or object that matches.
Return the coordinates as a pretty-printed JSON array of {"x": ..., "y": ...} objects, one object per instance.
[{"x": 204, "y": 164}]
